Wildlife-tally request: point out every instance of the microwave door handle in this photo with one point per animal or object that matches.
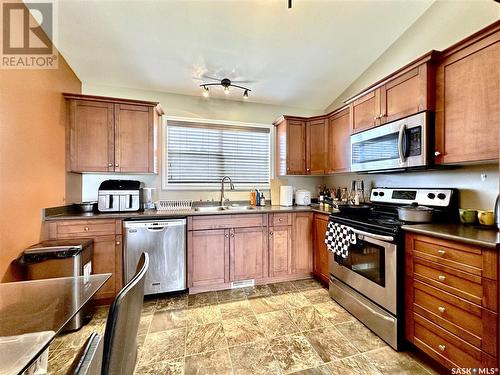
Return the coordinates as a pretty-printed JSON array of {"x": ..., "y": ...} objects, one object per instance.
[
  {"x": 401, "y": 151},
  {"x": 371, "y": 235},
  {"x": 110, "y": 200}
]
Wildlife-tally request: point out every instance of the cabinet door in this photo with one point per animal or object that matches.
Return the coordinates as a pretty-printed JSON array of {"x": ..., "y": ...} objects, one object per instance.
[
  {"x": 302, "y": 252},
  {"x": 134, "y": 138},
  {"x": 405, "y": 95},
  {"x": 321, "y": 253},
  {"x": 316, "y": 146},
  {"x": 280, "y": 251},
  {"x": 296, "y": 147},
  {"x": 108, "y": 258},
  {"x": 468, "y": 103},
  {"x": 208, "y": 255},
  {"x": 365, "y": 111},
  {"x": 339, "y": 143},
  {"x": 91, "y": 136},
  {"x": 248, "y": 253}
]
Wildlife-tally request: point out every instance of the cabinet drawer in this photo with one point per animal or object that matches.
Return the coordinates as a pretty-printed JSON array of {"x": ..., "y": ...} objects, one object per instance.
[
  {"x": 84, "y": 228},
  {"x": 443, "y": 346},
  {"x": 228, "y": 221},
  {"x": 452, "y": 254},
  {"x": 280, "y": 219},
  {"x": 459, "y": 283}
]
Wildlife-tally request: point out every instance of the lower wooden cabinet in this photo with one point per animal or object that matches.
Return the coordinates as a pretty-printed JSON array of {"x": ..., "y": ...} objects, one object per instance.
[
  {"x": 320, "y": 252},
  {"x": 280, "y": 250},
  {"x": 108, "y": 248},
  {"x": 302, "y": 243},
  {"x": 452, "y": 301},
  {"x": 248, "y": 253}
]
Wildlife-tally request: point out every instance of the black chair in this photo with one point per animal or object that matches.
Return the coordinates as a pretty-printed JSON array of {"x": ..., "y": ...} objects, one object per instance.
[{"x": 119, "y": 353}]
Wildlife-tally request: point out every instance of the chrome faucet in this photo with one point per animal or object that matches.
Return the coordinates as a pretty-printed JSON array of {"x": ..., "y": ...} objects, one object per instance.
[{"x": 231, "y": 185}]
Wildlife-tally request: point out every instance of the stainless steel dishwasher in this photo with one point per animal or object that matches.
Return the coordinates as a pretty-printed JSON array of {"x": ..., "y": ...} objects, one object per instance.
[{"x": 165, "y": 242}]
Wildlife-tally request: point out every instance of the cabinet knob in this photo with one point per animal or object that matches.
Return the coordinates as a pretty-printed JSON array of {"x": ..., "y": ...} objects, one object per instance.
[
  {"x": 442, "y": 347},
  {"x": 280, "y": 219},
  {"x": 441, "y": 252},
  {"x": 117, "y": 242},
  {"x": 86, "y": 229},
  {"x": 442, "y": 278},
  {"x": 308, "y": 169},
  {"x": 270, "y": 233},
  {"x": 226, "y": 235},
  {"x": 375, "y": 118},
  {"x": 116, "y": 165},
  {"x": 110, "y": 164},
  {"x": 441, "y": 309},
  {"x": 437, "y": 153},
  {"x": 232, "y": 235}
]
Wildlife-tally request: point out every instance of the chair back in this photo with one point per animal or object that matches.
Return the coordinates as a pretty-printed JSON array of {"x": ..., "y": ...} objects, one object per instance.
[{"x": 122, "y": 325}]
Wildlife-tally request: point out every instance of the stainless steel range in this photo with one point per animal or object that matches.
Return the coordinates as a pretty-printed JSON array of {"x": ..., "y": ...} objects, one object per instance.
[{"x": 369, "y": 282}]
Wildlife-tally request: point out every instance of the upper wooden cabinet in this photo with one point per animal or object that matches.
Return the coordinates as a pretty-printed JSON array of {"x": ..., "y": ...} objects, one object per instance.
[
  {"x": 406, "y": 92},
  {"x": 316, "y": 146},
  {"x": 112, "y": 135},
  {"x": 468, "y": 99},
  {"x": 291, "y": 149},
  {"x": 339, "y": 142}
]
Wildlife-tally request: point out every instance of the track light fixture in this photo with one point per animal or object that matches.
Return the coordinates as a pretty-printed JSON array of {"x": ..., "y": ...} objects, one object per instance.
[{"x": 226, "y": 84}]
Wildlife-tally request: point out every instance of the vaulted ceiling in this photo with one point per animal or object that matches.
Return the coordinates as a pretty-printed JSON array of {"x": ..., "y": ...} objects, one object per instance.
[{"x": 302, "y": 57}]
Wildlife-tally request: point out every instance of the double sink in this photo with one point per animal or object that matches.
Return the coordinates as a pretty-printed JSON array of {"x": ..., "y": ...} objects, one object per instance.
[{"x": 233, "y": 207}]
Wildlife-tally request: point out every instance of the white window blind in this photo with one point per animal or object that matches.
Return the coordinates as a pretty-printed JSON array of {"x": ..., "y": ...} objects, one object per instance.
[{"x": 200, "y": 153}]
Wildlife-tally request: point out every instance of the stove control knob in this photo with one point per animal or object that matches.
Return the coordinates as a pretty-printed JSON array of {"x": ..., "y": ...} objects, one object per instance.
[
  {"x": 441, "y": 196},
  {"x": 381, "y": 193},
  {"x": 431, "y": 195},
  {"x": 375, "y": 193}
]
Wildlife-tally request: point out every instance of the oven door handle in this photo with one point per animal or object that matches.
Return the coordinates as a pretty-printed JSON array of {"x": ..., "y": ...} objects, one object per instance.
[
  {"x": 375, "y": 236},
  {"x": 401, "y": 151}
]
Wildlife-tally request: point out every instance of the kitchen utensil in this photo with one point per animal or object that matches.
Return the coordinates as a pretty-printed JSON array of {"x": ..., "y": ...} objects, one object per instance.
[
  {"x": 286, "y": 195},
  {"x": 85, "y": 206},
  {"x": 415, "y": 213},
  {"x": 302, "y": 197},
  {"x": 467, "y": 215},
  {"x": 353, "y": 209},
  {"x": 486, "y": 217}
]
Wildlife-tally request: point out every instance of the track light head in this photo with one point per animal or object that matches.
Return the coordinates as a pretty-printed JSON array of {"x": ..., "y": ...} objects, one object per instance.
[
  {"x": 245, "y": 94},
  {"x": 206, "y": 93}
]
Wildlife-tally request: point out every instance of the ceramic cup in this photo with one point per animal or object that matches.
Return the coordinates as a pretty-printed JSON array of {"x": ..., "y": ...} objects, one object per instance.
[
  {"x": 468, "y": 216},
  {"x": 486, "y": 217}
]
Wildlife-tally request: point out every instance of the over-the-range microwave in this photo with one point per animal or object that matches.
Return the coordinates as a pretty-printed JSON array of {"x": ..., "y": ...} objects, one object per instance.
[{"x": 394, "y": 146}]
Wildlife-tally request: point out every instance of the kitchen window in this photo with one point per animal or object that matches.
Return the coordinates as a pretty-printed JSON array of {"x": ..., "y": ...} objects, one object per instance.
[{"x": 200, "y": 153}]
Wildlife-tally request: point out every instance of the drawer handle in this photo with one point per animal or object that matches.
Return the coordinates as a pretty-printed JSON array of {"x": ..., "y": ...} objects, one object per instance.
[
  {"x": 442, "y": 347},
  {"x": 441, "y": 252},
  {"x": 86, "y": 229},
  {"x": 442, "y": 278},
  {"x": 441, "y": 309}
]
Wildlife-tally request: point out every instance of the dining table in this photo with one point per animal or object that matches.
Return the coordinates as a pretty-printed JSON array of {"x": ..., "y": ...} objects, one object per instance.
[{"x": 33, "y": 312}]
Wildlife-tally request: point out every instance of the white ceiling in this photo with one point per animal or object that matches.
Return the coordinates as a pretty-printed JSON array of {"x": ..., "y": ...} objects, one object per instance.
[{"x": 304, "y": 57}]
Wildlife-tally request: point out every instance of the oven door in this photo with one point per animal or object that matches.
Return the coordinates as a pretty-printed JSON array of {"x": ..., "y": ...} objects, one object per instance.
[
  {"x": 370, "y": 268},
  {"x": 399, "y": 144}
]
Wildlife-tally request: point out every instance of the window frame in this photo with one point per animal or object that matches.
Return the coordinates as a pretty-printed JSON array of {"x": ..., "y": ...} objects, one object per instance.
[{"x": 166, "y": 185}]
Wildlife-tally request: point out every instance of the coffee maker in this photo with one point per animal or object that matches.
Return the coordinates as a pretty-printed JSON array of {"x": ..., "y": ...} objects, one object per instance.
[{"x": 119, "y": 195}]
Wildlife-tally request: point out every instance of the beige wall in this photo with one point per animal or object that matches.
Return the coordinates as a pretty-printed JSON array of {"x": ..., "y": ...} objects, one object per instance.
[
  {"x": 443, "y": 24},
  {"x": 32, "y": 155},
  {"x": 195, "y": 107}
]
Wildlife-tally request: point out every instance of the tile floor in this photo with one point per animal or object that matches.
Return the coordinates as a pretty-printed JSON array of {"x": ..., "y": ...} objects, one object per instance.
[{"x": 283, "y": 328}]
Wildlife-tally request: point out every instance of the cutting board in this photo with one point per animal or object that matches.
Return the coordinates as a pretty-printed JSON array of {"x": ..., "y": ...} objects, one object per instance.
[{"x": 275, "y": 190}]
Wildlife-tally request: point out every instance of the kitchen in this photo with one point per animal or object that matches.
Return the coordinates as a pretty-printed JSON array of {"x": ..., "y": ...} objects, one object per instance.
[{"x": 257, "y": 289}]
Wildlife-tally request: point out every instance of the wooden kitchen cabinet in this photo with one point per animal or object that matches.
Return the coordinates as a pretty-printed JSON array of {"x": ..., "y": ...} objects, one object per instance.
[
  {"x": 316, "y": 146},
  {"x": 339, "y": 142},
  {"x": 112, "y": 135},
  {"x": 108, "y": 248},
  {"x": 280, "y": 250},
  {"x": 365, "y": 111},
  {"x": 302, "y": 243},
  {"x": 468, "y": 99},
  {"x": 291, "y": 146},
  {"x": 208, "y": 257},
  {"x": 452, "y": 301},
  {"x": 320, "y": 252},
  {"x": 248, "y": 253}
]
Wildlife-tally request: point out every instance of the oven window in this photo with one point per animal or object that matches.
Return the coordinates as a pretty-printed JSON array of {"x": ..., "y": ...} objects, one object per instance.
[
  {"x": 376, "y": 149},
  {"x": 366, "y": 259}
]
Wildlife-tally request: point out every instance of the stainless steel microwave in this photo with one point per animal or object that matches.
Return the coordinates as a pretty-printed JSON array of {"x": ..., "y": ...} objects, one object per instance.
[{"x": 397, "y": 145}]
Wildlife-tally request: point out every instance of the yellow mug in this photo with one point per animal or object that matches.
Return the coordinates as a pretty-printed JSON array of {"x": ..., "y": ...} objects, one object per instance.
[{"x": 486, "y": 217}]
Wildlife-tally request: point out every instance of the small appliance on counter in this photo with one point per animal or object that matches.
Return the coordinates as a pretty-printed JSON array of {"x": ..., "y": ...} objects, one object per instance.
[
  {"x": 119, "y": 195},
  {"x": 286, "y": 195},
  {"x": 302, "y": 197}
]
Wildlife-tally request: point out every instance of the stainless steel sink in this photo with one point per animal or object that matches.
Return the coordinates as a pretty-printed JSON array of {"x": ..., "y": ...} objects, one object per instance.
[
  {"x": 238, "y": 208},
  {"x": 234, "y": 207}
]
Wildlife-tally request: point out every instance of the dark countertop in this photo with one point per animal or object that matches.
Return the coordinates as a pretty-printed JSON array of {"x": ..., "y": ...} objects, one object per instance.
[
  {"x": 152, "y": 214},
  {"x": 472, "y": 235}
]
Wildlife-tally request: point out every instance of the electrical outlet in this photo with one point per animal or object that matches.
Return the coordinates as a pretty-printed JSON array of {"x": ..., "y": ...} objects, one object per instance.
[{"x": 484, "y": 176}]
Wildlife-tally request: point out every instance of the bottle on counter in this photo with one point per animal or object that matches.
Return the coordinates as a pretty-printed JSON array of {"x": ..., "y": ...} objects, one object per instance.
[
  {"x": 252, "y": 198},
  {"x": 321, "y": 194},
  {"x": 257, "y": 197},
  {"x": 262, "y": 199}
]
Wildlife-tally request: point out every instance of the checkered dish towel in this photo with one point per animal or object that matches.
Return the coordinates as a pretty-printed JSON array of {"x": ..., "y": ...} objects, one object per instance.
[{"x": 338, "y": 238}]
